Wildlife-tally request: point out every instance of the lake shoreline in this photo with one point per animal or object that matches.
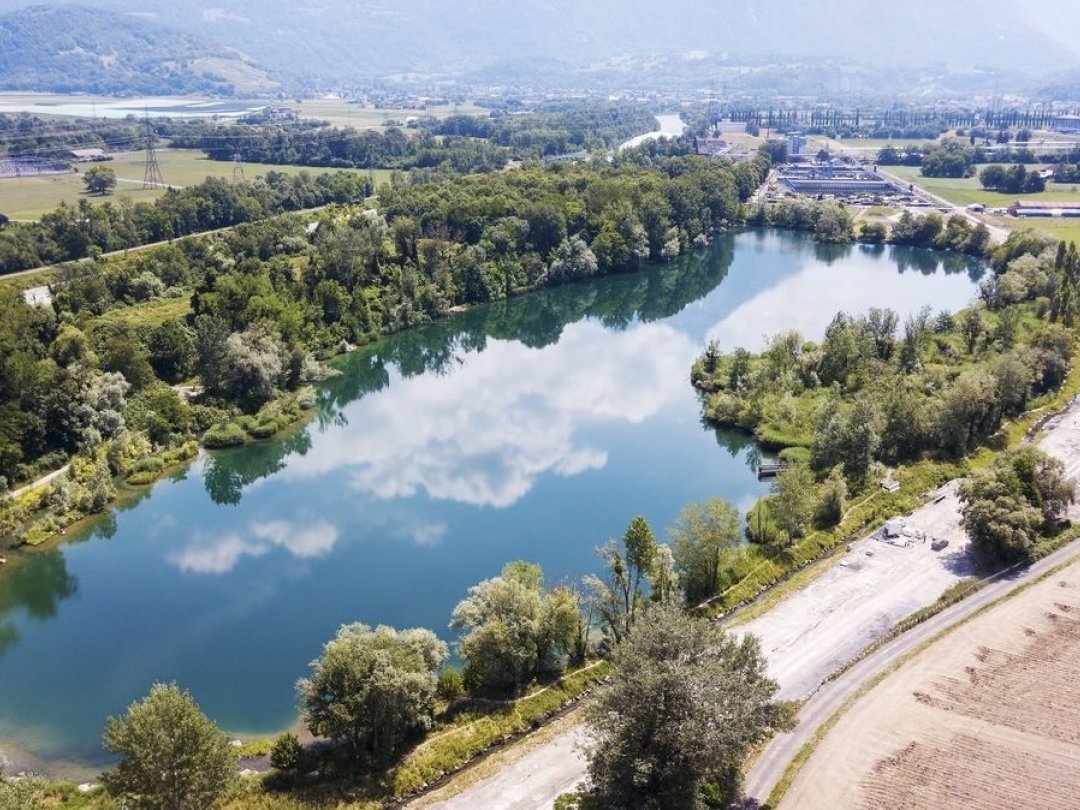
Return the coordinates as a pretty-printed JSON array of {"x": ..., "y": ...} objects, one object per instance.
[{"x": 580, "y": 309}]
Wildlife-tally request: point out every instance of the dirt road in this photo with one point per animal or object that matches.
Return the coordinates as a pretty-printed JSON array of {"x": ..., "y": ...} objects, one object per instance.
[
  {"x": 815, "y": 631},
  {"x": 533, "y": 780},
  {"x": 806, "y": 637},
  {"x": 41, "y": 481}
]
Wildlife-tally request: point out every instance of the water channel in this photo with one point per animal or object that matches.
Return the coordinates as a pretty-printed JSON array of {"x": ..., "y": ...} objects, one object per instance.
[{"x": 530, "y": 429}]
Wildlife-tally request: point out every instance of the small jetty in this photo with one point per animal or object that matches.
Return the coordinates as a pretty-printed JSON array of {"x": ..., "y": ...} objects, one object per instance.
[{"x": 769, "y": 470}]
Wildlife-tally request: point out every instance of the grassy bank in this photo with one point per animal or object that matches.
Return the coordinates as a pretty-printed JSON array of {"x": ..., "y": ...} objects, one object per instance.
[
  {"x": 473, "y": 734},
  {"x": 30, "y": 197},
  {"x": 87, "y": 489},
  {"x": 766, "y": 567}
]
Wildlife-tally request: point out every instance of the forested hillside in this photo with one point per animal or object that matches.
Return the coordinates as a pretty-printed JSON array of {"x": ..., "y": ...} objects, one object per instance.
[{"x": 74, "y": 49}]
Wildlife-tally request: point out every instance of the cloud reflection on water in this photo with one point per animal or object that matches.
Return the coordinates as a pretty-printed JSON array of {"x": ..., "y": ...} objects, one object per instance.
[
  {"x": 483, "y": 433},
  {"x": 209, "y": 555},
  {"x": 807, "y": 301}
]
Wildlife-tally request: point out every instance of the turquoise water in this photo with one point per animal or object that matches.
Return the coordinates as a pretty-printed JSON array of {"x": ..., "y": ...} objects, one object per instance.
[{"x": 532, "y": 429}]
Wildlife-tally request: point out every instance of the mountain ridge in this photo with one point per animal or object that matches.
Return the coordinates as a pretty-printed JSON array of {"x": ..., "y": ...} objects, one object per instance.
[{"x": 346, "y": 42}]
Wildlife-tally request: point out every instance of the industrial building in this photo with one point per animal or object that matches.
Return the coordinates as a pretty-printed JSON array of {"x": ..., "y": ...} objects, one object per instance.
[
  {"x": 1044, "y": 208},
  {"x": 836, "y": 180},
  {"x": 1069, "y": 124}
]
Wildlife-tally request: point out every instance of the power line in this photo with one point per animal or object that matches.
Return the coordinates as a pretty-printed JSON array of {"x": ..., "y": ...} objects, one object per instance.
[{"x": 152, "y": 174}]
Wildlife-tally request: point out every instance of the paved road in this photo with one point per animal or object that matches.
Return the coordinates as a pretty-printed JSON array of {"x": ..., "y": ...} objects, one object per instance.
[{"x": 770, "y": 766}]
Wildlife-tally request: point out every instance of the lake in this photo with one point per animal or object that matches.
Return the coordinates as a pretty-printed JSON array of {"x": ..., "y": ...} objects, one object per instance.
[{"x": 530, "y": 429}]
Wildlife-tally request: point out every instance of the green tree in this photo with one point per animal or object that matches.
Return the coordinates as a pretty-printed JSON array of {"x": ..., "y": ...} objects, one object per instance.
[
  {"x": 704, "y": 532},
  {"x": 172, "y": 351},
  {"x": 287, "y": 755},
  {"x": 451, "y": 685},
  {"x": 618, "y": 598},
  {"x": 832, "y": 497},
  {"x": 171, "y": 755},
  {"x": 873, "y": 232},
  {"x": 685, "y": 704},
  {"x": 967, "y": 410},
  {"x": 122, "y": 351},
  {"x": 843, "y": 350},
  {"x": 993, "y": 177},
  {"x": 372, "y": 688},
  {"x": 99, "y": 180},
  {"x": 793, "y": 500},
  {"x": 516, "y": 630},
  {"x": 255, "y": 363},
  {"x": 834, "y": 225},
  {"x": 1008, "y": 507},
  {"x": 848, "y": 436},
  {"x": 25, "y": 793}
]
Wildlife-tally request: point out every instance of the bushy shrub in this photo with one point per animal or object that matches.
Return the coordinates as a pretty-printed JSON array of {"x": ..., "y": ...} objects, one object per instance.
[
  {"x": 148, "y": 464},
  {"x": 230, "y": 435},
  {"x": 451, "y": 686}
]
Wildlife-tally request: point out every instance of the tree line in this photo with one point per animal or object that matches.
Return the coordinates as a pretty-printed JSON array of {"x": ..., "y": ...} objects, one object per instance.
[
  {"x": 832, "y": 223},
  {"x": 878, "y": 122},
  {"x": 300, "y": 144},
  {"x": 553, "y": 128},
  {"x": 458, "y": 143},
  {"x": 70, "y": 232}
]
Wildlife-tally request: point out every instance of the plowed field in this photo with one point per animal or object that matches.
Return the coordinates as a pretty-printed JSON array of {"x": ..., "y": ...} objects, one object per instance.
[{"x": 988, "y": 716}]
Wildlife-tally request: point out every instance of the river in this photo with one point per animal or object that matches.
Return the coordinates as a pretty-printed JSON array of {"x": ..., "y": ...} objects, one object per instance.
[
  {"x": 670, "y": 126},
  {"x": 530, "y": 429}
]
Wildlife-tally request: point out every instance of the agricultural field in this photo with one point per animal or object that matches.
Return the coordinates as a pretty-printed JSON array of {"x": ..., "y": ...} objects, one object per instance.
[
  {"x": 858, "y": 147},
  {"x": 30, "y": 197},
  {"x": 343, "y": 114},
  {"x": 967, "y": 190},
  {"x": 1067, "y": 230},
  {"x": 988, "y": 716}
]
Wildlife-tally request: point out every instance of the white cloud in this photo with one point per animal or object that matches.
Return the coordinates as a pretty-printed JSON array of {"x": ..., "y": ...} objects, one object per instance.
[
  {"x": 308, "y": 541},
  {"x": 485, "y": 432},
  {"x": 427, "y": 535}
]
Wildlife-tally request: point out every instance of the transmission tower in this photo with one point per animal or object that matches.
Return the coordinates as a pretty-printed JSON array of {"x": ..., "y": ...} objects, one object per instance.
[
  {"x": 237, "y": 168},
  {"x": 152, "y": 175}
]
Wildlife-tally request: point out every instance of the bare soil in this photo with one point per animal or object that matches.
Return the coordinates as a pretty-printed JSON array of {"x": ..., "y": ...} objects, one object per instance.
[
  {"x": 815, "y": 631},
  {"x": 987, "y": 716}
]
